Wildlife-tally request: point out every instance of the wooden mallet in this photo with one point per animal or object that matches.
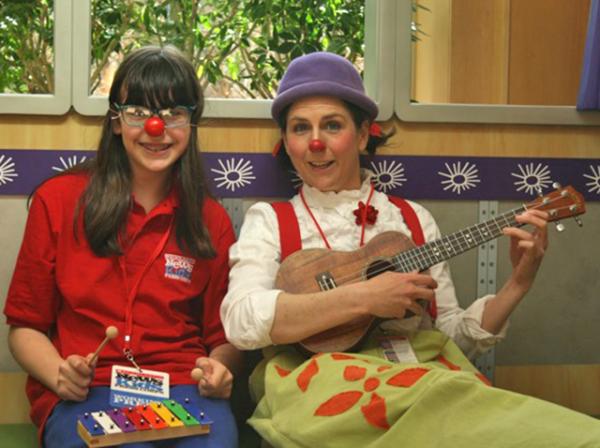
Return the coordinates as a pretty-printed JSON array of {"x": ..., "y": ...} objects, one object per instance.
[
  {"x": 111, "y": 333},
  {"x": 197, "y": 374}
]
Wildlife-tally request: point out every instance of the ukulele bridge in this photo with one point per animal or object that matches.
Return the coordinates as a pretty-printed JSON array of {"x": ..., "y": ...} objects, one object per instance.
[{"x": 325, "y": 281}]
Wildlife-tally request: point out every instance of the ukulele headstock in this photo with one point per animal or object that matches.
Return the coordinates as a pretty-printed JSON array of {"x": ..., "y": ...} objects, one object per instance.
[{"x": 563, "y": 202}]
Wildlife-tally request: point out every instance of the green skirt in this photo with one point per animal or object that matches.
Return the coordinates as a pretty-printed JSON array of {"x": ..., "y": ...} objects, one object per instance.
[{"x": 361, "y": 400}]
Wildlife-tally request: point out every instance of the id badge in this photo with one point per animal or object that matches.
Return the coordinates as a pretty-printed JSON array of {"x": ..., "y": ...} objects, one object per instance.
[
  {"x": 398, "y": 349},
  {"x": 130, "y": 387}
]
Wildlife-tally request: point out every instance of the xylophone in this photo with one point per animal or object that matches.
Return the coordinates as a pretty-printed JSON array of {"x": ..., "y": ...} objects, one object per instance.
[{"x": 166, "y": 419}]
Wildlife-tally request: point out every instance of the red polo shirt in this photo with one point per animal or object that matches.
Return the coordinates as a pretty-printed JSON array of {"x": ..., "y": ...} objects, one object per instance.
[{"x": 61, "y": 288}]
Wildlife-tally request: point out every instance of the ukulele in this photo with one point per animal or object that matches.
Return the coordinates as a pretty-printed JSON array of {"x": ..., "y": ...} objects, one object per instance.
[{"x": 314, "y": 270}]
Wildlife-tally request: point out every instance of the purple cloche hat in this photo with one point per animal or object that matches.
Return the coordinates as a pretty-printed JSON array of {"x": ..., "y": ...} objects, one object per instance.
[{"x": 322, "y": 73}]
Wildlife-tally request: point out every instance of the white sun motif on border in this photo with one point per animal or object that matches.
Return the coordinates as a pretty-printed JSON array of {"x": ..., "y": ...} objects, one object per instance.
[
  {"x": 7, "y": 170},
  {"x": 388, "y": 177},
  {"x": 532, "y": 178},
  {"x": 460, "y": 177},
  {"x": 68, "y": 162},
  {"x": 594, "y": 184},
  {"x": 234, "y": 175}
]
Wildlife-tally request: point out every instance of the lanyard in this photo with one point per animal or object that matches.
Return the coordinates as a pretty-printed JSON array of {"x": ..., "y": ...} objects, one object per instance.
[
  {"x": 131, "y": 295},
  {"x": 363, "y": 218}
]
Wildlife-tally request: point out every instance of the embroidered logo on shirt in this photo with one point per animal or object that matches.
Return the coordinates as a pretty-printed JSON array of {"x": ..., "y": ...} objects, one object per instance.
[{"x": 179, "y": 268}]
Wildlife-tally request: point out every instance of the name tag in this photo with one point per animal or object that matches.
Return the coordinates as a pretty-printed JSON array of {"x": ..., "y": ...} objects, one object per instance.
[
  {"x": 398, "y": 349},
  {"x": 130, "y": 387}
]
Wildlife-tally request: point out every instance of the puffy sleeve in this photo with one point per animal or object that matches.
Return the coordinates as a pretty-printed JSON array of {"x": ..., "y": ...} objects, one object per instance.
[
  {"x": 248, "y": 309},
  {"x": 462, "y": 325}
]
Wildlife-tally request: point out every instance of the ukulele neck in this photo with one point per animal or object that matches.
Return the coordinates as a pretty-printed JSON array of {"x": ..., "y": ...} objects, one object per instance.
[{"x": 429, "y": 254}]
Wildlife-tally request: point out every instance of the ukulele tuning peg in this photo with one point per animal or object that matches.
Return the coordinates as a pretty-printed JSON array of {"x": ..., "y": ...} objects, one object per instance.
[
  {"x": 556, "y": 185},
  {"x": 560, "y": 226},
  {"x": 578, "y": 221}
]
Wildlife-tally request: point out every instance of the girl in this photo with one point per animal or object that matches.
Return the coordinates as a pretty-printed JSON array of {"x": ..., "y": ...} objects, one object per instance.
[
  {"x": 410, "y": 382},
  {"x": 132, "y": 240}
]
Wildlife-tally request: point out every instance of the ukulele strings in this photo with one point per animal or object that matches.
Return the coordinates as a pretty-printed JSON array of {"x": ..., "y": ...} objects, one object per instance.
[{"x": 417, "y": 253}]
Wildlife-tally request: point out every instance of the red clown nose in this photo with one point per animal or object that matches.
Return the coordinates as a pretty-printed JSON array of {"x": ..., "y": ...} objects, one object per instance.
[
  {"x": 316, "y": 145},
  {"x": 154, "y": 126}
]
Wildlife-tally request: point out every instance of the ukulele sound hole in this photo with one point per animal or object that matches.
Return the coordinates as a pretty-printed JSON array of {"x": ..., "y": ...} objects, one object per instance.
[{"x": 378, "y": 267}]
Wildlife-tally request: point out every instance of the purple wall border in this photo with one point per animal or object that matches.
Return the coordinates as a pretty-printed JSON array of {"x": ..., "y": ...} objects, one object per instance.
[{"x": 415, "y": 177}]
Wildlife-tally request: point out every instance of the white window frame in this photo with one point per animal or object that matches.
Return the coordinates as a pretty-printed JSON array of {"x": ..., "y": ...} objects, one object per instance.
[
  {"x": 466, "y": 113},
  {"x": 380, "y": 21},
  {"x": 58, "y": 102},
  {"x": 379, "y": 55}
]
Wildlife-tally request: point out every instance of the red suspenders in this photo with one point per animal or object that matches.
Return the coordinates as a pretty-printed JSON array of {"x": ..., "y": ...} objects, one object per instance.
[
  {"x": 289, "y": 231},
  {"x": 410, "y": 217}
]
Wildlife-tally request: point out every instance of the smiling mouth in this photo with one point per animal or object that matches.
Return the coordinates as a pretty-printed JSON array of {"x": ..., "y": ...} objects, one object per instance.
[
  {"x": 320, "y": 165},
  {"x": 156, "y": 148}
]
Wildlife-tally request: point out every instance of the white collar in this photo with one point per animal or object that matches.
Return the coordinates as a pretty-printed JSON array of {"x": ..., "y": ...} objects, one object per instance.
[{"x": 330, "y": 199}]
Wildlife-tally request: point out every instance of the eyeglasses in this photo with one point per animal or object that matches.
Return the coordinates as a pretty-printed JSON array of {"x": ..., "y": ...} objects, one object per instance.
[{"x": 174, "y": 117}]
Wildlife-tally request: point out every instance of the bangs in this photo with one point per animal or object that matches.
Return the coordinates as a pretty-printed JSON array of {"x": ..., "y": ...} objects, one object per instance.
[{"x": 158, "y": 84}]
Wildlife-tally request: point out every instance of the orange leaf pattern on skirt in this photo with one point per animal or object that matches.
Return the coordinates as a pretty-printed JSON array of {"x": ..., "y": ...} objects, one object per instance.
[
  {"x": 443, "y": 360},
  {"x": 281, "y": 371},
  {"x": 307, "y": 374},
  {"x": 339, "y": 403},
  {"x": 407, "y": 377},
  {"x": 354, "y": 373},
  {"x": 483, "y": 378},
  {"x": 371, "y": 384},
  {"x": 375, "y": 412},
  {"x": 341, "y": 356}
]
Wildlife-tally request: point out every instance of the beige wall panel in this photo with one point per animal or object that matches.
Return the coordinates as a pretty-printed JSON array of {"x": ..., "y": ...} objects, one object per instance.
[
  {"x": 238, "y": 135},
  {"x": 76, "y": 132},
  {"x": 431, "y": 56},
  {"x": 479, "y": 51},
  {"x": 15, "y": 407},
  {"x": 574, "y": 386},
  {"x": 12, "y": 223},
  {"x": 547, "y": 39},
  {"x": 70, "y": 131},
  {"x": 495, "y": 140}
]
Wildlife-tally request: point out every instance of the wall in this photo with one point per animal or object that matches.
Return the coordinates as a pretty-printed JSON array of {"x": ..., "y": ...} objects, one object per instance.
[{"x": 552, "y": 347}]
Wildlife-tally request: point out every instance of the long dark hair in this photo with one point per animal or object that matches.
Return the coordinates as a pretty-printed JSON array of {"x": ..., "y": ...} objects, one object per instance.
[
  {"x": 154, "y": 77},
  {"x": 359, "y": 117}
]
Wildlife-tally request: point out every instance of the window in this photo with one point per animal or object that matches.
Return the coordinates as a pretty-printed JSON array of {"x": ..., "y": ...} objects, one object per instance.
[
  {"x": 450, "y": 76},
  {"x": 35, "y": 49},
  {"x": 238, "y": 73}
]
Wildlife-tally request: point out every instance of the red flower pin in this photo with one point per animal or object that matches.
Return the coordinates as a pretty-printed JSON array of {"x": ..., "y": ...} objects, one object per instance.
[
  {"x": 369, "y": 215},
  {"x": 375, "y": 130}
]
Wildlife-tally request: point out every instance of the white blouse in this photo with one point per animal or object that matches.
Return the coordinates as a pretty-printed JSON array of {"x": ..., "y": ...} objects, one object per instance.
[{"x": 248, "y": 309}]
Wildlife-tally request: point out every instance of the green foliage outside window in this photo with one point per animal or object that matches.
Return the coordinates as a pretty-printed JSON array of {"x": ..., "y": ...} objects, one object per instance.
[
  {"x": 26, "y": 46},
  {"x": 239, "y": 48}
]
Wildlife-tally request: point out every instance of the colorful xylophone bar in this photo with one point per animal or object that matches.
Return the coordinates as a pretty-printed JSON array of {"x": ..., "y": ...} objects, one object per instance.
[{"x": 154, "y": 421}]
